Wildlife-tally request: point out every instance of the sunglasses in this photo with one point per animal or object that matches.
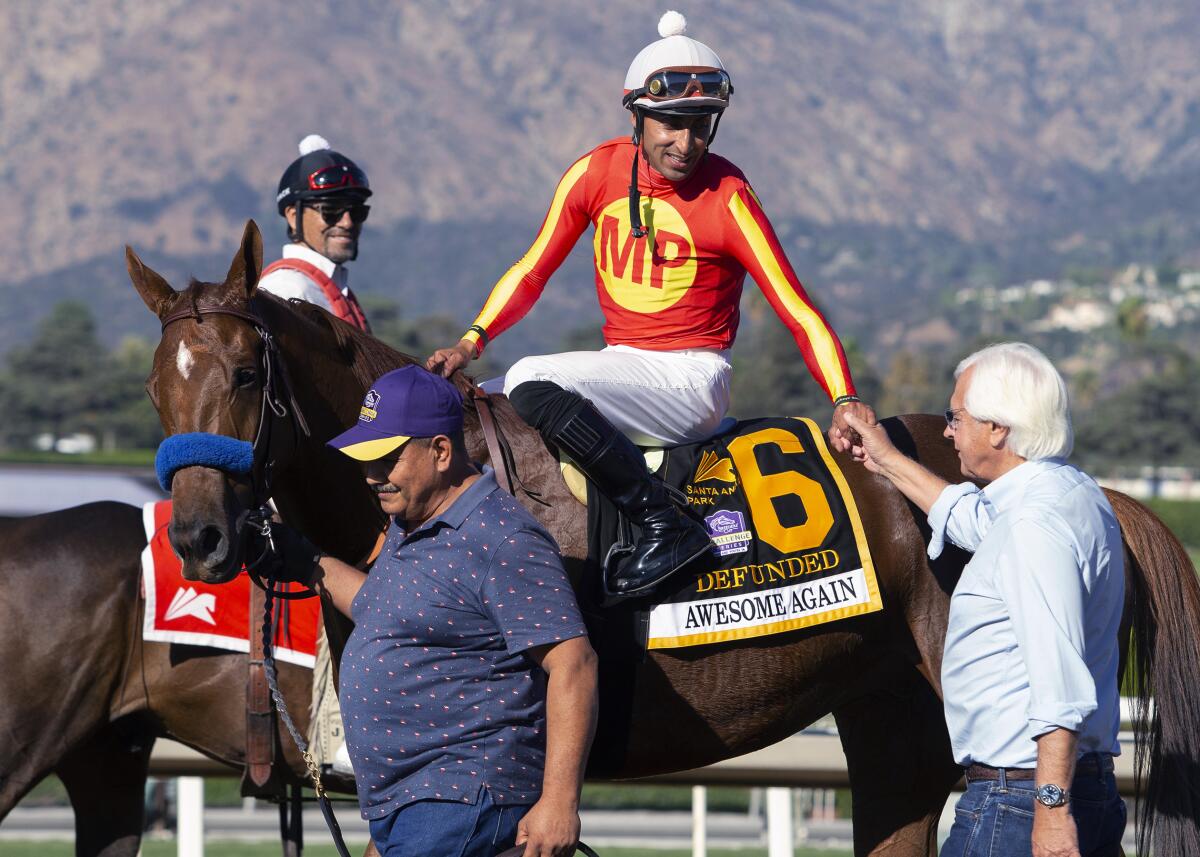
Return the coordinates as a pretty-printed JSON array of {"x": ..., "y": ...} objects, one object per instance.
[
  {"x": 665, "y": 85},
  {"x": 331, "y": 214},
  {"x": 340, "y": 175}
]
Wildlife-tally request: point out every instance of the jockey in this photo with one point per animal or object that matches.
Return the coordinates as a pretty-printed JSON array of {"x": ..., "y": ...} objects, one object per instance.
[
  {"x": 676, "y": 231},
  {"x": 322, "y": 196}
]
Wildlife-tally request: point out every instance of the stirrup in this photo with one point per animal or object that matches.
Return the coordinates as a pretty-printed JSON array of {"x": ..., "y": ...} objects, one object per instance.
[{"x": 625, "y": 545}]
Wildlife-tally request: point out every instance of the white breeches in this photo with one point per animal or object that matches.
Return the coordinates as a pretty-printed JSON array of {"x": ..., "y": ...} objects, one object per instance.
[{"x": 656, "y": 398}]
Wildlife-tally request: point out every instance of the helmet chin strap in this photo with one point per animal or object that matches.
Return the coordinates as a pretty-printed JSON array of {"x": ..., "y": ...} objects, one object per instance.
[
  {"x": 635, "y": 213},
  {"x": 297, "y": 235}
]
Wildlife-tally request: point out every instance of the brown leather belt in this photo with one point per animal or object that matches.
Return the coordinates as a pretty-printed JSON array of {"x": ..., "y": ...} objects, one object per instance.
[
  {"x": 1092, "y": 764},
  {"x": 987, "y": 772}
]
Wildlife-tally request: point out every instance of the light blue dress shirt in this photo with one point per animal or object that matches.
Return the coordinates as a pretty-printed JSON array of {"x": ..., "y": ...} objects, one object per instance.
[{"x": 1031, "y": 644}]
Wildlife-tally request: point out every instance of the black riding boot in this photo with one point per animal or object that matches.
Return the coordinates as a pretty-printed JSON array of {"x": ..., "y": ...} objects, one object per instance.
[{"x": 669, "y": 538}]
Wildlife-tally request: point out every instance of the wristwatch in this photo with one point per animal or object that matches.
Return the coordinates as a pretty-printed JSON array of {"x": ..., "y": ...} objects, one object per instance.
[{"x": 1051, "y": 795}]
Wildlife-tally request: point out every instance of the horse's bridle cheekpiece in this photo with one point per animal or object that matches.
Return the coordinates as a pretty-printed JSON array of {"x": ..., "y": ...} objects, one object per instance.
[
  {"x": 221, "y": 452},
  {"x": 230, "y": 454}
]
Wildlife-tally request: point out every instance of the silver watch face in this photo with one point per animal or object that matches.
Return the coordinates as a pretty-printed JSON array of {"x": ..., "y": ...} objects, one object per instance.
[{"x": 1051, "y": 795}]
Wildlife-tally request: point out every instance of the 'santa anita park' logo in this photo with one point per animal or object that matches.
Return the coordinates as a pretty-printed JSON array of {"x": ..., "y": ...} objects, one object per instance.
[{"x": 648, "y": 274}]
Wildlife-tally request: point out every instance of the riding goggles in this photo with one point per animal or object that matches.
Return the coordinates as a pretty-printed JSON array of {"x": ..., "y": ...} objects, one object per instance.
[
  {"x": 669, "y": 85},
  {"x": 332, "y": 213},
  {"x": 337, "y": 176}
]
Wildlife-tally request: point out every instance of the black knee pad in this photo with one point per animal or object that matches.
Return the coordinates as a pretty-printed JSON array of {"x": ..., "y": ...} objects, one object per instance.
[{"x": 545, "y": 405}]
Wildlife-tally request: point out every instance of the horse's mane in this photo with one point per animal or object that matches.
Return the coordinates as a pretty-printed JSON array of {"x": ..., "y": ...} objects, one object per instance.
[{"x": 368, "y": 357}]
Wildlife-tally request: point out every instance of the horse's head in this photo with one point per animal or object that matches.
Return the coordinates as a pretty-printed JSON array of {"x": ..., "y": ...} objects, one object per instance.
[{"x": 208, "y": 384}]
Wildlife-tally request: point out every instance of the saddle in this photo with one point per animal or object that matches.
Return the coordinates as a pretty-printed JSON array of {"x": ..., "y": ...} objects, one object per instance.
[{"x": 789, "y": 550}]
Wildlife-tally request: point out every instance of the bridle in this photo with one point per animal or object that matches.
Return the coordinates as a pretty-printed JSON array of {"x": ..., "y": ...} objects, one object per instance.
[
  {"x": 278, "y": 403},
  {"x": 278, "y": 400}
]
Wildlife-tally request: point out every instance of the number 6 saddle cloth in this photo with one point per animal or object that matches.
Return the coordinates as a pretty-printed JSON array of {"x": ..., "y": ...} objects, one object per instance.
[{"x": 789, "y": 549}]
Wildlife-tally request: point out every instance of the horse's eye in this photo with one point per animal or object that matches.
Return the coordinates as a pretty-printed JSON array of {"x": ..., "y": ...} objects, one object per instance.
[{"x": 244, "y": 377}]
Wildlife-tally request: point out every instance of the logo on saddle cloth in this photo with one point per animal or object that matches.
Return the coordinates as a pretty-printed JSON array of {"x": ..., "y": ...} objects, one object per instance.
[
  {"x": 649, "y": 274},
  {"x": 369, "y": 410},
  {"x": 191, "y": 603},
  {"x": 712, "y": 468},
  {"x": 789, "y": 547},
  {"x": 729, "y": 533}
]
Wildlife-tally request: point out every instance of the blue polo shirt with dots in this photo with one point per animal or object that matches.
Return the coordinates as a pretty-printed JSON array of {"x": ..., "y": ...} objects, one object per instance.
[{"x": 438, "y": 698}]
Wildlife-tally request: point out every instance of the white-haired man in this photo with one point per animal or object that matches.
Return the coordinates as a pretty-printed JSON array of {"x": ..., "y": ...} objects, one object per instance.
[{"x": 1029, "y": 673}]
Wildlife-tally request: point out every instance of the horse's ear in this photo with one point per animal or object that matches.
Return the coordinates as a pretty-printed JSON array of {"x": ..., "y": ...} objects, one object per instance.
[
  {"x": 155, "y": 291},
  {"x": 247, "y": 263}
]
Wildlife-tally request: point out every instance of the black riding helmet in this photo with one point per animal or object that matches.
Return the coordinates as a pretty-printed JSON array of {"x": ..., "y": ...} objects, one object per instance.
[{"x": 320, "y": 173}]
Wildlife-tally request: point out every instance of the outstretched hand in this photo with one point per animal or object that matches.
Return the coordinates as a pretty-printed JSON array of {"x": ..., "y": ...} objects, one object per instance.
[
  {"x": 841, "y": 435},
  {"x": 874, "y": 448},
  {"x": 447, "y": 361}
]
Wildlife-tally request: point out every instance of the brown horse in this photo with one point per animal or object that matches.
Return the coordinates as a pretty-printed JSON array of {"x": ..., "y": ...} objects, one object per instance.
[
  {"x": 84, "y": 697},
  {"x": 679, "y": 709}
]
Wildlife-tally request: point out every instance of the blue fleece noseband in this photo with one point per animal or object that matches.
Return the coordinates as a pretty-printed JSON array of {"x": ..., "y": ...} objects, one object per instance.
[{"x": 201, "y": 449}]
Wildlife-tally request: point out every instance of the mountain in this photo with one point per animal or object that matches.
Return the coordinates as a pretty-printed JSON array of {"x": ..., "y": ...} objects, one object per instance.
[{"x": 901, "y": 146}]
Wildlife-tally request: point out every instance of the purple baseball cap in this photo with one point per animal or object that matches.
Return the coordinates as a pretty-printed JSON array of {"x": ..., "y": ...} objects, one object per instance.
[{"x": 405, "y": 403}]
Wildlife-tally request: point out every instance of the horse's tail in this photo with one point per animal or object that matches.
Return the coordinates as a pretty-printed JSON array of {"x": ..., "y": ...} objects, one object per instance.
[{"x": 1165, "y": 630}]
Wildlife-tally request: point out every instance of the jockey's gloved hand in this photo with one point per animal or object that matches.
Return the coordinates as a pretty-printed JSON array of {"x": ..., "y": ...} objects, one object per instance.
[{"x": 296, "y": 558}]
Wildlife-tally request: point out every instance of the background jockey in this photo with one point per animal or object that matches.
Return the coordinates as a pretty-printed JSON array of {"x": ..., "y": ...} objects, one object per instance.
[
  {"x": 676, "y": 230},
  {"x": 323, "y": 197}
]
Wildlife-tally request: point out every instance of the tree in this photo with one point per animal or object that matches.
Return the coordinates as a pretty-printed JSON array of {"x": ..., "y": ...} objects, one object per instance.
[
  {"x": 56, "y": 383},
  {"x": 915, "y": 383},
  {"x": 1152, "y": 421},
  {"x": 771, "y": 377},
  {"x": 129, "y": 420},
  {"x": 1132, "y": 320},
  {"x": 417, "y": 337}
]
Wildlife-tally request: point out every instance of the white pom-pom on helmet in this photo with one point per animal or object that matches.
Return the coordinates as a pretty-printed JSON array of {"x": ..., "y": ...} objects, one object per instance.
[
  {"x": 313, "y": 143},
  {"x": 677, "y": 74}
]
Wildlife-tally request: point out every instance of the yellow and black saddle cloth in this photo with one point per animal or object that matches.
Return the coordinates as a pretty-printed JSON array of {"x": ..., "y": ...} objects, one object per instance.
[{"x": 789, "y": 549}]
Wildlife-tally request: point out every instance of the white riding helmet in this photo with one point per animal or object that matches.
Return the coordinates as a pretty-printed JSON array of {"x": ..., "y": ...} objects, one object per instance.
[{"x": 677, "y": 74}]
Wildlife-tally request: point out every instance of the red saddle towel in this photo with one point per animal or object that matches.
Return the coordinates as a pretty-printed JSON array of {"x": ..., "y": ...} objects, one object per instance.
[{"x": 202, "y": 614}]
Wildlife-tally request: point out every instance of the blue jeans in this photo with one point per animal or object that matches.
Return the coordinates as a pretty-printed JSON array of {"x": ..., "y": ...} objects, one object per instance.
[
  {"x": 994, "y": 818},
  {"x": 443, "y": 828}
]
